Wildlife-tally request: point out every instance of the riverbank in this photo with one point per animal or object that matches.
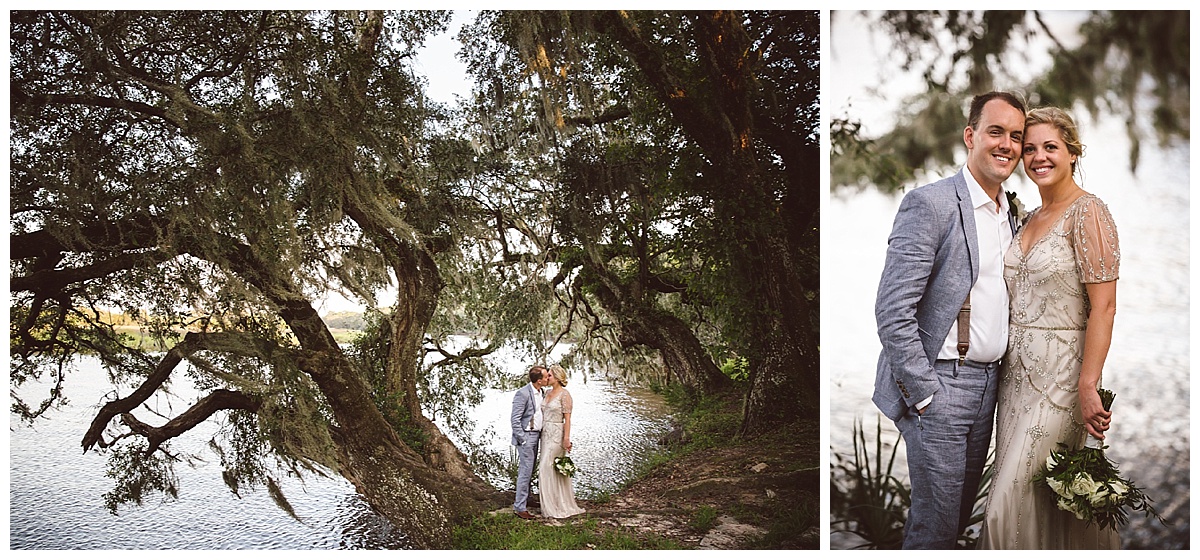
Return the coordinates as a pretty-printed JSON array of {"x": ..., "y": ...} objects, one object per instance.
[{"x": 711, "y": 491}]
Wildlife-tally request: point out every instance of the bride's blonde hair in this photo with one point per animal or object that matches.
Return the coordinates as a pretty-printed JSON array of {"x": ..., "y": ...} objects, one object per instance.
[{"x": 559, "y": 373}]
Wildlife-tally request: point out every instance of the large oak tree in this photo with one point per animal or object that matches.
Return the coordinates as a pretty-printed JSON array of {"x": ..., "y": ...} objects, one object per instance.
[
  {"x": 682, "y": 157},
  {"x": 215, "y": 173}
]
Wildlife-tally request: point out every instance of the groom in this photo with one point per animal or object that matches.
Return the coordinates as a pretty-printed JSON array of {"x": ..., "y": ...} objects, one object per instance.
[
  {"x": 526, "y": 432},
  {"x": 937, "y": 374}
]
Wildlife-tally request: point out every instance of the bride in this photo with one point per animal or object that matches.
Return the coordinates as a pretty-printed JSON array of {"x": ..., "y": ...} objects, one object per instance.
[
  {"x": 557, "y": 495},
  {"x": 1061, "y": 271}
]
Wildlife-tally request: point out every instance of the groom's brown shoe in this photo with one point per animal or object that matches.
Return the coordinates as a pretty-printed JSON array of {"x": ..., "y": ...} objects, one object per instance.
[{"x": 524, "y": 515}]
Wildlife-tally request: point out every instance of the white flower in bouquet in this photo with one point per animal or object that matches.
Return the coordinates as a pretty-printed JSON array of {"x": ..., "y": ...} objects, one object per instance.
[
  {"x": 565, "y": 466},
  {"x": 1068, "y": 505},
  {"x": 1090, "y": 486},
  {"x": 1099, "y": 497},
  {"x": 1117, "y": 493},
  {"x": 1059, "y": 488},
  {"x": 1083, "y": 485}
]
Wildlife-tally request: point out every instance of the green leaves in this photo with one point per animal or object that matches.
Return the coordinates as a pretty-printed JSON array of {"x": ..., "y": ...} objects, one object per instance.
[
  {"x": 1131, "y": 64},
  {"x": 869, "y": 501},
  {"x": 1086, "y": 483}
]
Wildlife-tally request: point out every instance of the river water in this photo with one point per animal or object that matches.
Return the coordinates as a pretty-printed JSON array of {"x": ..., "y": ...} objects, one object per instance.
[
  {"x": 55, "y": 491},
  {"x": 1148, "y": 365}
]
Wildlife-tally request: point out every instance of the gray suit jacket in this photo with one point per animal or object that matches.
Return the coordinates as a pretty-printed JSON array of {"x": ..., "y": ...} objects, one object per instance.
[
  {"x": 932, "y": 262},
  {"x": 522, "y": 412}
]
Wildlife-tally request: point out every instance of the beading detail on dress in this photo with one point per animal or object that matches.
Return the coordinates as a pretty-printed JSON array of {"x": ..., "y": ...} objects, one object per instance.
[{"x": 1037, "y": 405}]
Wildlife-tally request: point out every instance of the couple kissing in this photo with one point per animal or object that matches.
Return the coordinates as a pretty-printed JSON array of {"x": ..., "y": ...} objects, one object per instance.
[{"x": 541, "y": 415}]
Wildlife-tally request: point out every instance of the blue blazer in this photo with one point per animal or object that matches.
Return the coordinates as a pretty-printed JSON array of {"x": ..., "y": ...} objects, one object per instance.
[
  {"x": 932, "y": 262},
  {"x": 523, "y": 410}
]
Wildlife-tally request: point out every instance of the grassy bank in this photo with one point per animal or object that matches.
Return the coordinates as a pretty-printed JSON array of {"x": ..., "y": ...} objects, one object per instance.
[
  {"x": 503, "y": 531},
  {"x": 711, "y": 489}
]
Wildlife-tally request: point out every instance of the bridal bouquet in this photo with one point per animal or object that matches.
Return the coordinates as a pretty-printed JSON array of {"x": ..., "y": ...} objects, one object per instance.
[
  {"x": 1089, "y": 485},
  {"x": 565, "y": 466}
]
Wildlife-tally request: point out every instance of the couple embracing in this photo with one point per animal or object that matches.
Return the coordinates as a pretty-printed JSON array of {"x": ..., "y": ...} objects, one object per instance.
[
  {"x": 541, "y": 416},
  {"x": 986, "y": 317}
]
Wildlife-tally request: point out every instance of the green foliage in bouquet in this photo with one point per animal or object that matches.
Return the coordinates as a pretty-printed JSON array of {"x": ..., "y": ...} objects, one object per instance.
[
  {"x": 1090, "y": 486},
  {"x": 565, "y": 466}
]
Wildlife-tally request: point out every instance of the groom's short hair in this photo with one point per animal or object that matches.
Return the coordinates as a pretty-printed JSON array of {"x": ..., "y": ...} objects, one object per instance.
[
  {"x": 535, "y": 373},
  {"x": 980, "y": 100}
]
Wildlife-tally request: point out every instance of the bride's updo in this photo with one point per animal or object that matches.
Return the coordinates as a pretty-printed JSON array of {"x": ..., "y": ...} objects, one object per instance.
[{"x": 559, "y": 373}]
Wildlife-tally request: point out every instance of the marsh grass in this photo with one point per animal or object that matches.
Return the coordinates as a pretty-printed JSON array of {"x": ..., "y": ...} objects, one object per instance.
[{"x": 867, "y": 500}]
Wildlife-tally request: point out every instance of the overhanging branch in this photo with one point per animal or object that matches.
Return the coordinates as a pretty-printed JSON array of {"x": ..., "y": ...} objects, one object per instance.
[
  {"x": 234, "y": 343},
  {"x": 220, "y": 399},
  {"x": 455, "y": 358},
  {"x": 140, "y": 231},
  {"x": 54, "y": 280},
  {"x": 23, "y": 98}
]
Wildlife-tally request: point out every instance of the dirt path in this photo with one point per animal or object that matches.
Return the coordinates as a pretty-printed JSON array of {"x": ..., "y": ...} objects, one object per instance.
[{"x": 728, "y": 497}]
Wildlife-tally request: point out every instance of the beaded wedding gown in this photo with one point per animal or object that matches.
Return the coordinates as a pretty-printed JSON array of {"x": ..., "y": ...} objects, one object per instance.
[
  {"x": 555, "y": 491},
  {"x": 1038, "y": 405}
]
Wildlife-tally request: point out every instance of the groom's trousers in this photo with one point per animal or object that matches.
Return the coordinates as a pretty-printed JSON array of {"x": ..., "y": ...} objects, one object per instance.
[
  {"x": 526, "y": 462},
  {"x": 947, "y": 448}
]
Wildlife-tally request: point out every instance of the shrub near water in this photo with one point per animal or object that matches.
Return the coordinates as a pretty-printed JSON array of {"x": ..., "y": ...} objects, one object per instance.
[
  {"x": 866, "y": 499},
  {"x": 704, "y": 518}
]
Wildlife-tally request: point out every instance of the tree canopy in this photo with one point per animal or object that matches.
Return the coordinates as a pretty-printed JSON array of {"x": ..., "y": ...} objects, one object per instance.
[
  {"x": 678, "y": 154},
  {"x": 1133, "y": 64},
  {"x": 212, "y": 173}
]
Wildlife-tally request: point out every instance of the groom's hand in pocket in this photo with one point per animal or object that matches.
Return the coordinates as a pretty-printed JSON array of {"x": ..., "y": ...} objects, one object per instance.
[{"x": 924, "y": 405}]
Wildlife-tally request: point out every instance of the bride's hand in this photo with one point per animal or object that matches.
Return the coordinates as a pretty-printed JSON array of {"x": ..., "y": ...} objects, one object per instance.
[
  {"x": 567, "y": 445},
  {"x": 1095, "y": 418}
]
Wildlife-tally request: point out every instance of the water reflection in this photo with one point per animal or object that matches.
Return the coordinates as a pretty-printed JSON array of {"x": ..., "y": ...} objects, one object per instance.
[{"x": 55, "y": 491}]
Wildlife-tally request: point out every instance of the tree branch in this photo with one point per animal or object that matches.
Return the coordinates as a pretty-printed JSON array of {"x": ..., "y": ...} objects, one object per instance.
[
  {"x": 54, "y": 280},
  {"x": 614, "y": 113},
  {"x": 670, "y": 89},
  {"x": 220, "y": 399},
  {"x": 23, "y": 98},
  {"x": 469, "y": 353},
  {"x": 236, "y": 61},
  {"x": 234, "y": 343},
  {"x": 141, "y": 231}
]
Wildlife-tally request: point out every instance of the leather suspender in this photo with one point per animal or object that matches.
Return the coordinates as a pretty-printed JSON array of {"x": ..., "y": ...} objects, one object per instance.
[{"x": 964, "y": 329}]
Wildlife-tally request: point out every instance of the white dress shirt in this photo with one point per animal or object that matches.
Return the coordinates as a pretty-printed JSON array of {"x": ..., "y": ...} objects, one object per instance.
[
  {"x": 536, "y": 422},
  {"x": 989, "y": 295}
]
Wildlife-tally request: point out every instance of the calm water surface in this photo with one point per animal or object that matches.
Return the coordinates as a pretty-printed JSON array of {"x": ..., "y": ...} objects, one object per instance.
[{"x": 55, "y": 491}]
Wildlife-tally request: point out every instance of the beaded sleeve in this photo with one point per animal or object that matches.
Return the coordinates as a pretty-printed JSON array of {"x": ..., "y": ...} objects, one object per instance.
[
  {"x": 1094, "y": 234},
  {"x": 567, "y": 403}
]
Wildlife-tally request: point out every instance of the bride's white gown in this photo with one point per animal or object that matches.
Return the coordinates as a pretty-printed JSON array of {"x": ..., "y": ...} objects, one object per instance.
[
  {"x": 1038, "y": 404},
  {"x": 555, "y": 491}
]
